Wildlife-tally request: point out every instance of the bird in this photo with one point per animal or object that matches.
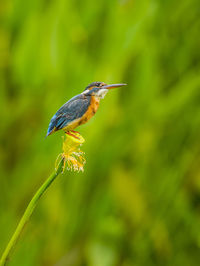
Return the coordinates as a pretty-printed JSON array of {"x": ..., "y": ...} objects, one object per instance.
[{"x": 79, "y": 109}]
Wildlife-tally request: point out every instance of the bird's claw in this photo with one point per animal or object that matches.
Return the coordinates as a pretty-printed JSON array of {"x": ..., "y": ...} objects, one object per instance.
[
  {"x": 75, "y": 132},
  {"x": 73, "y": 135}
]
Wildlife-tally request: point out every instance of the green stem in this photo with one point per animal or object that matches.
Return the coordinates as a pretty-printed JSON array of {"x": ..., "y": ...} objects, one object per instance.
[{"x": 28, "y": 212}]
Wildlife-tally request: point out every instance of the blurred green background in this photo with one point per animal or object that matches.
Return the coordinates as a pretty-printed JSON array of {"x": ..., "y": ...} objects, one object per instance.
[{"x": 138, "y": 200}]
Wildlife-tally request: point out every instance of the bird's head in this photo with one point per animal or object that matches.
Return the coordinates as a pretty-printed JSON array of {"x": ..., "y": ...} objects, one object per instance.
[{"x": 99, "y": 89}]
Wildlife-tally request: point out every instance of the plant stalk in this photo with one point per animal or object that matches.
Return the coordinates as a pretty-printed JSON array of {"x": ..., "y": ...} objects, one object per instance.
[{"x": 29, "y": 210}]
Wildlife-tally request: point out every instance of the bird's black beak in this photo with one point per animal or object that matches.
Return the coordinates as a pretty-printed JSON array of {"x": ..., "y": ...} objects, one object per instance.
[
  {"x": 112, "y": 86},
  {"x": 101, "y": 91}
]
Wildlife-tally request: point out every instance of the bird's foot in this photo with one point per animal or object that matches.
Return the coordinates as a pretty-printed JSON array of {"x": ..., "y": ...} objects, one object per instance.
[
  {"x": 75, "y": 131},
  {"x": 73, "y": 135}
]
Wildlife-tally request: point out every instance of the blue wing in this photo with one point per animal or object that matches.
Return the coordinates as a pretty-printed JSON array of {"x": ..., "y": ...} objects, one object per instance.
[{"x": 71, "y": 110}]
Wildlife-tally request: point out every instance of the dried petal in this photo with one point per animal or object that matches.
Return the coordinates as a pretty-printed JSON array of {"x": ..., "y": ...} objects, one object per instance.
[{"x": 72, "y": 154}]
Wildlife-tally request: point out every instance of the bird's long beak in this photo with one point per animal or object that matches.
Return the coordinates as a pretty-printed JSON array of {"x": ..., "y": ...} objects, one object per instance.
[{"x": 112, "y": 86}]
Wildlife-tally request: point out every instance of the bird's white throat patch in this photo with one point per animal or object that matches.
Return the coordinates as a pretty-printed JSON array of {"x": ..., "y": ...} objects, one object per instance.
[{"x": 101, "y": 93}]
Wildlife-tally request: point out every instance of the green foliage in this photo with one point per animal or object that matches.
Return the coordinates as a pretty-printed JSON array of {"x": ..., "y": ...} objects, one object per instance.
[{"x": 137, "y": 203}]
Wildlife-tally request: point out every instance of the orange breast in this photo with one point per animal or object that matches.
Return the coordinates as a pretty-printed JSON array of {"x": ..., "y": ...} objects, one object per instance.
[{"x": 93, "y": 107}]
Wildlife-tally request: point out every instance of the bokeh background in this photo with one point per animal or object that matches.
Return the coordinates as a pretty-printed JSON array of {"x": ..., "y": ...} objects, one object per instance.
[{"x": 138, "y": 201}]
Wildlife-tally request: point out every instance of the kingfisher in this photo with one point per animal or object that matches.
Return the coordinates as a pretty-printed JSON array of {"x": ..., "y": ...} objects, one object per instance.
[{"x": 79, "y": 109}]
